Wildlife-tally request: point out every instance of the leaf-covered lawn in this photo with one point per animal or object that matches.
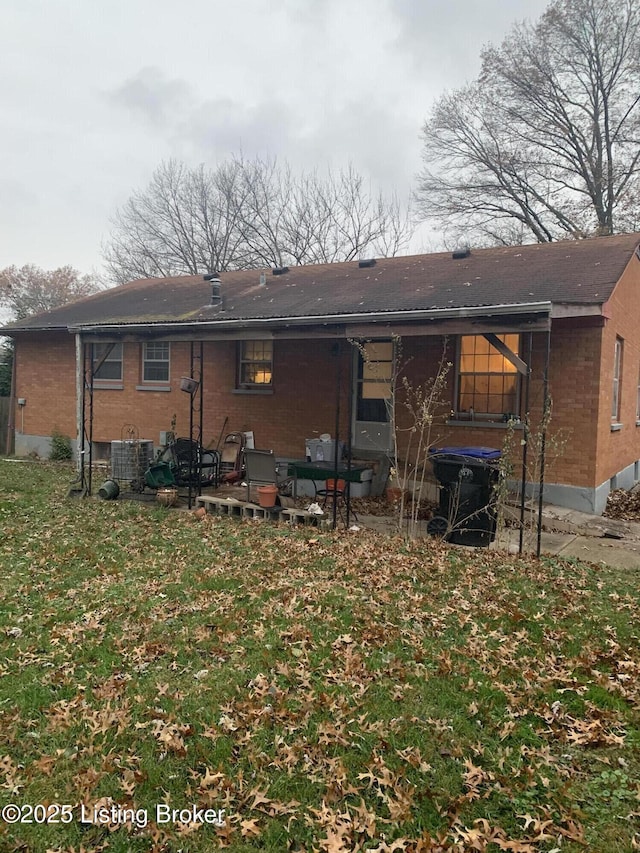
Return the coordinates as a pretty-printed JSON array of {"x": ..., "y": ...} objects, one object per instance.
[{"x": 327, "y": 692}]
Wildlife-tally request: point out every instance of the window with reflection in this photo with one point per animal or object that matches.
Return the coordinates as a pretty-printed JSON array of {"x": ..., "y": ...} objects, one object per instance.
[
  {"x": 488, "y": 383},
  {"x": 255, "y": 369}
]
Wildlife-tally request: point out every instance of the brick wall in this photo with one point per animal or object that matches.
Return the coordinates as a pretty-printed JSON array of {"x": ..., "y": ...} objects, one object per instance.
[
  {"x": 574, "y": 383},
  {"x": 45, "y": 378},
  {"x": 302, "y": 404},
  {"x": 620, "y": 448}
]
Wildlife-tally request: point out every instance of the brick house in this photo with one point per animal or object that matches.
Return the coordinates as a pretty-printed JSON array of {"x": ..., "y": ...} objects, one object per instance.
[{"x": 274, "y": 353}]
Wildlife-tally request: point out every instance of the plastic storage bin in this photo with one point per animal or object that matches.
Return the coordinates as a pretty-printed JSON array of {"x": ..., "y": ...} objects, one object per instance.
[
  {"x": 322, "y": 451},
  {"x": 467, "y": 477}
]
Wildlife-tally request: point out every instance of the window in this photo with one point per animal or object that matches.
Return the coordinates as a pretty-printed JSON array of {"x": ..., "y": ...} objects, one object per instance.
[
  {"x": 256, "y": 364},
  {"x": 617, "y": 379},
  {"x": 110, "y": 367},
  {"x": 375, "y": 374},
  {"x": 487, "y": 381},
  {"x": 155, "y": 361}
]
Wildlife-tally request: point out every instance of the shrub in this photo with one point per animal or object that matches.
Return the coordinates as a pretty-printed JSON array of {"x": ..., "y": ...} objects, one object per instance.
[{"x": 60, "y": 446}]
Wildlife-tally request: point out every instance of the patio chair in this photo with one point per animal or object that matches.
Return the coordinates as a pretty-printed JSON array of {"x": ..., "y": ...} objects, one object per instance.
[
  {"x": 261, "y": 470},
  {"x": 190, "y": 463},
  {"x": 232, "y": 457},
  {"x": 335, "y": 492}
]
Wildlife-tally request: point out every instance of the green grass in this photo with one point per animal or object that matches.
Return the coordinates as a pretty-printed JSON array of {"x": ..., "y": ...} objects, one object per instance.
[{"x": 329, "y": 691}]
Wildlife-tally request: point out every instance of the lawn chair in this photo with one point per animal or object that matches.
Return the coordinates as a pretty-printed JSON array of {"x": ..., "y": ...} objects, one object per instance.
[
  {"x": 261, "y": 470},
  {"x": 232, "y": 457}
]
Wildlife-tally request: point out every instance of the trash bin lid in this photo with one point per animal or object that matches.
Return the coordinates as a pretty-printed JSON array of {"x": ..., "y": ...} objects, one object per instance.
[{"x": 485, "y": 453}]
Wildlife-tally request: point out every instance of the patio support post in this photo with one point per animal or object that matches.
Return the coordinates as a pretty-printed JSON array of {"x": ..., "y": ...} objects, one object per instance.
[
  {"x": 543, "y": 438},
  {"x": 86, "y": 369},
  {"x": 523, "y": 483},
  {"x": 88, "y": 349},
  {"x": 195, "y": 420},
  {"x": 349, "y": 433},
  {"x": 80, "y": 406},
  {"x": 337, "y": 348},
  {"x": 191, "y": 437},
  {"x": 84, "y": 387},
  {"x": 200, "y": 410}
]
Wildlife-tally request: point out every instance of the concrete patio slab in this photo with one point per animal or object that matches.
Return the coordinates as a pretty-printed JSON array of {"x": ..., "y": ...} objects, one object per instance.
[{"x": 619, "y": 554}]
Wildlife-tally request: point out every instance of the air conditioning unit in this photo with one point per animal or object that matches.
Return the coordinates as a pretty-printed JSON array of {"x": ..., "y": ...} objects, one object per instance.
[{"x": 130, "y": 458}]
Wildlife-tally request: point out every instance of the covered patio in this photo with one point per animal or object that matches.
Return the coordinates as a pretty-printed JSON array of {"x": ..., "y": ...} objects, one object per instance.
[{"x": 365, "y": 391}]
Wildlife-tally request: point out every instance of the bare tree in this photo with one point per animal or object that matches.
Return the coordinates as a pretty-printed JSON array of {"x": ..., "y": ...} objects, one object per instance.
[
  {"x": 546, "y": 143},
  {"x": 314, "y": 219},
  {"x": 249, "y": 213},
  {"x": 30, "y": 289},
  {"x": 182, "y": 223}
]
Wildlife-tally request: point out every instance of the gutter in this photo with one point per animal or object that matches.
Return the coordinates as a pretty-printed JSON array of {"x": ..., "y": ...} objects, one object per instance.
[
  {"x": 324, "y": 319},
  {"x": 10, "y": 332}
]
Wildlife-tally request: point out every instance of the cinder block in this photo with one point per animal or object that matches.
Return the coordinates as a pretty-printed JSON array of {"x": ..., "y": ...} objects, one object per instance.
[
  {"x": 220, "y": 506},
  {"x": 255, "y": 511},
  {"x": 301, "y": 516}
]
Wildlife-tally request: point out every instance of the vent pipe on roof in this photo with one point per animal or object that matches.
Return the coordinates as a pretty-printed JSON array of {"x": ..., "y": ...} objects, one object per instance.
[
  {"x": 461, "y": 253},
  {"x": 263, "y": 278},
  {"x": 280, "y": 270},
  {"x": 216, "y": 293},
  {"x": 368, "y": 262}
]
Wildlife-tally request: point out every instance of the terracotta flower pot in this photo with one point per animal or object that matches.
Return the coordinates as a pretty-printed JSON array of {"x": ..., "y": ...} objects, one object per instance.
[
  {"x": 267, "y": 496},
  {"x": 393, "y": 494}
]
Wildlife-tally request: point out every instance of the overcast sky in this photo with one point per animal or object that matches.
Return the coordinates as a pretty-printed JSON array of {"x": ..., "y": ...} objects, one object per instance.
[{"x": 94, "y": 95}]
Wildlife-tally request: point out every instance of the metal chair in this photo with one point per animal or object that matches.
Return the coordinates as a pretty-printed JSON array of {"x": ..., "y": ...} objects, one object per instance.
[
  {"x": 261, "y": 470},
  {"x": 335, "y": 493},
  {"x": 191, "y": 464},
  {"x": 231, "y": 457}
]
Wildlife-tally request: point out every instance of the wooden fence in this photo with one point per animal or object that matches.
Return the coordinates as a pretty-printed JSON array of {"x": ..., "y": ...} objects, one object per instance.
[{"x": 5, "y": 408}]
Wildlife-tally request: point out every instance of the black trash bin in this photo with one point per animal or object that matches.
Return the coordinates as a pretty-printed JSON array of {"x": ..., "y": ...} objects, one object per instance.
[{"x": 467, "y": 477}]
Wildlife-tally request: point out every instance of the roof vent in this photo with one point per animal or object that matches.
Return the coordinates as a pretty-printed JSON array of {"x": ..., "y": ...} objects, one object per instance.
[
  {"x": 461, "y": 253},
  {"x": 369, "y": 262},
  {"x": 210, "y": 276},
  {"x": 280, "y": 270},
  {"x": 216, "y": 289},
  {"x": 263, "y": 278}
]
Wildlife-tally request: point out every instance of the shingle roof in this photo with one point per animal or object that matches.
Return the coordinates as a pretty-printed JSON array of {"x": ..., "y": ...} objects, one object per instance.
[{"x": 576, "y": 272}]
